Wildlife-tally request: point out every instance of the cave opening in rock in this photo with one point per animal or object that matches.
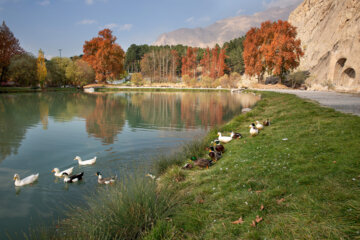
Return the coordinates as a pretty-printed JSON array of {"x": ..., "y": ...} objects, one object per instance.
[
  {"x": 350, "y": 72},
  {"x": 341, "y": 62},
  {"x": 338, "y": 71},
  {"x": 347, "y": 77}
]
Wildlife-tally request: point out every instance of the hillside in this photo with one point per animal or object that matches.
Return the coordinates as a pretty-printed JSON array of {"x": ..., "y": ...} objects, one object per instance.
[{"x": 223, "y": 30}]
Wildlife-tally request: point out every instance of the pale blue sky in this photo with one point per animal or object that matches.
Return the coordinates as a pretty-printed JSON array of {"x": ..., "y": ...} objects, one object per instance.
[{"x": 66, "y": 24}]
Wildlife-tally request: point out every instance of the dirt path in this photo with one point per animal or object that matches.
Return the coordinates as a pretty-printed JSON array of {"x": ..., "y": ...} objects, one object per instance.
[{"x": 343, "y": 102}]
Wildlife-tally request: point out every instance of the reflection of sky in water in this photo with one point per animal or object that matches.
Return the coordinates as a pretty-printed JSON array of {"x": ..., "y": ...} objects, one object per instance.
[{"x": 125, "y": 131}]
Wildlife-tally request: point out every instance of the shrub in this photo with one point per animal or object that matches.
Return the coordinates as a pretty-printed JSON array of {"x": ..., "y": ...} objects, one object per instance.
[
  {"x": 191, "y": 82},
  {"x": 296, "y": 79},
  {"x": 137, "y": 79},
  {"x": 229, "y": 82},
  {"x": 207, "y": 82}
]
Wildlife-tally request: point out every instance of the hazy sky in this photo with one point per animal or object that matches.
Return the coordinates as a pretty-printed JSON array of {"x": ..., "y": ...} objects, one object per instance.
[{"x": 66, "y": 24}]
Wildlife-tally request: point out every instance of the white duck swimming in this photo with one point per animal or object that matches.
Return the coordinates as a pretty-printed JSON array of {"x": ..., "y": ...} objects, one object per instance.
[
  {"x": 28, "y": 180},
  {"x": 57, "y": 172},
  {"x": 259, "y": 125},
  {"x": 253, "y": 130},
  {"x": 85, "y": 162},
  {"x": 224, "y": 139}
]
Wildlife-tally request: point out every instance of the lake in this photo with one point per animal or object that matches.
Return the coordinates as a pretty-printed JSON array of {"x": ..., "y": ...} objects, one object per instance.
[{"x": 125, "y": 130}]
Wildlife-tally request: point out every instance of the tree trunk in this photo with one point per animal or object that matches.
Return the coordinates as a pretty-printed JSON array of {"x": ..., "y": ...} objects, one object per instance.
[{"x": 3, "y": 74}]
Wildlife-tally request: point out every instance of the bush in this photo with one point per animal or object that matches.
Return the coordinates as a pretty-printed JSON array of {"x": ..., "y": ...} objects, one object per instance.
[
  {"x": 228, "y": 82},
  {"x": 191, "y": 82},
  {"x": 207, "y": 82},
  {"x": 272, "y": 80},
  {"x": 137, "y": 79},
  {"x": 296, "y": 79}
]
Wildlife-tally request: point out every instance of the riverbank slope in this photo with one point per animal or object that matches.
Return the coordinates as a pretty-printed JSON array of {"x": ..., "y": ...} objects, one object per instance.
[{"x": 301, "y": 176}]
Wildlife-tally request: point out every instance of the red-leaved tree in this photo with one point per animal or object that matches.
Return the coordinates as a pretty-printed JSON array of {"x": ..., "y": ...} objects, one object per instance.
[
  {"x": 189, "y": 62},
  {"x": 272, "y": 48},
  {"x": 9, "y": 47},
  {"x": 104, "y": 55}
]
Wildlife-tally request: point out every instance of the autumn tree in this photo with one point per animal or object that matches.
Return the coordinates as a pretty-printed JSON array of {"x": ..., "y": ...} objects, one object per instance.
[
  {"x": 214, "y": 61},
  {"x": 189, "y": 63},
  {"x": 272, "y": 48},
  {"x": 104, "y": 55},
  {"x": 9, "y": 47},
  {"x": 41, "y": 68},
  {"x": 205, "y": 63}
]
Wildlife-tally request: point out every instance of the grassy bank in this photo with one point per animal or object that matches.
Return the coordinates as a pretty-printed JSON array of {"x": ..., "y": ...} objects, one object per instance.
[
  {"x": 28, "y": 89},
  {"x": 308, "y": 185},
  {"x": 301, "y": 176}
]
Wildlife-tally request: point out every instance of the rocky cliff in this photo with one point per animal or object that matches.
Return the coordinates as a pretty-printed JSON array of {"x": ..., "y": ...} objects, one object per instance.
[
  {"x": 330, "y": 35},
  {"x": 223, "y": 30}
]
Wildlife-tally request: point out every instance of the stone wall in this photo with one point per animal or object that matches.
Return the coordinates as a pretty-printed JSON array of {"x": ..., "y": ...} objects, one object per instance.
[{"x": 330, "y": 35}]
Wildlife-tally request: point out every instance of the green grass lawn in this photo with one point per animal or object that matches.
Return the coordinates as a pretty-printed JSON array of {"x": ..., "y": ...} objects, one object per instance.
[
  {"x": 305, "y": 187},
  {"x": 309, "y": 185}
]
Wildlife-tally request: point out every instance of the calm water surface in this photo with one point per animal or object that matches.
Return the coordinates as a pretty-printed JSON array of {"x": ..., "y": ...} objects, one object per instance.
[{"x": 40, "y": 131}]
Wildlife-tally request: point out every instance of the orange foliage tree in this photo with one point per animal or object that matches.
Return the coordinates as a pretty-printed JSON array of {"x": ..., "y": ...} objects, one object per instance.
[
  {"x": 213, "y": 65},
  {"x": 104, "y": 56},
  {"x": 9, "y": 47},
  {"x": 205, "y": 63},
  {"x": 189, "y": 62},
  {"x": 272, "y": 48}
]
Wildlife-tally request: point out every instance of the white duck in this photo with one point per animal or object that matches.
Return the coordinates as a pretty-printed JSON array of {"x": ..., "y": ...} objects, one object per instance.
[
  {"x": 253, "y": 130},
  {"x": 28, "y": 180},
  {"x": 85, "y": 162},
  {"x": 259, "y": 125},
  {"x": 224, "y": 139},
  {"x": 57, "y": 172}
]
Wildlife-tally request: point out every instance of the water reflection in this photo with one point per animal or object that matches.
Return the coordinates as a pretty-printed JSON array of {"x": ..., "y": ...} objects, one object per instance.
[{"x": 106, "y": 114}]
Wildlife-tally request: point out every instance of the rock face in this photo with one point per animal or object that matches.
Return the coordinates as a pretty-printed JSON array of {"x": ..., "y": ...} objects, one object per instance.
[
  {"x": 223, "y": 30},
  {"x": 330, "y": 34}
]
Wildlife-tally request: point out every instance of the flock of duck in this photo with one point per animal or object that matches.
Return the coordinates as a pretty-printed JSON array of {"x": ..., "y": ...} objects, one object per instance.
[
  {"x": 217, "y": 149},
  {"x": 66, "y": 174}
]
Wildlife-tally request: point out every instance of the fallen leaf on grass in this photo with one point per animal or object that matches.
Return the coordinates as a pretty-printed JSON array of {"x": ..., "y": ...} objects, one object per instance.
[
  {"x": 334, "y": 161},
  {"x": 262, "y": 207},
  {"x": 249, "y": 190},
  {"x": 259, "y": 191},
  {"x": 201, "y": 201},
  {"x": 279, "y": 201},
  {"x": 239, "y": 221},
  {"x": 258, "y": 219},
  {"x": 253, "y": 224}
]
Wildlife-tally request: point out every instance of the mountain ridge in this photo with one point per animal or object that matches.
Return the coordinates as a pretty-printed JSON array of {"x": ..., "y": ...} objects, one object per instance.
[{"x": 222, "y": 30}]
